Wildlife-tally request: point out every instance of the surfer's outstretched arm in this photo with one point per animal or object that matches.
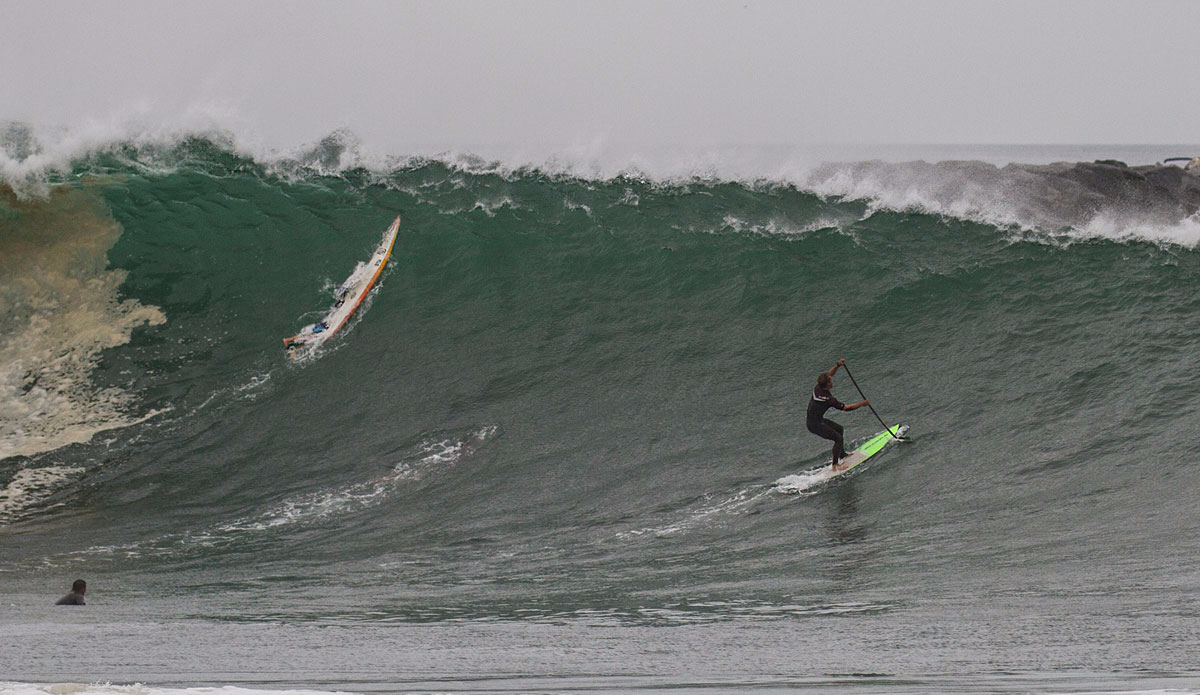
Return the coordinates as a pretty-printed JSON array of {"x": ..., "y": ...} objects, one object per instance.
[{"x": 840, "y": 363}]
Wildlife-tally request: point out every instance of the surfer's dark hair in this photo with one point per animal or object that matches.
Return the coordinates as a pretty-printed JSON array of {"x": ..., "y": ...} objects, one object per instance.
[
  {"x": 78, "y": 585},
  {"x": 823, "y": 379}
]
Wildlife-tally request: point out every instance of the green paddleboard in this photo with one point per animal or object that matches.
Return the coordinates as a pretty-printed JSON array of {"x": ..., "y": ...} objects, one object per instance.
[{"x": 869, "y": 448}]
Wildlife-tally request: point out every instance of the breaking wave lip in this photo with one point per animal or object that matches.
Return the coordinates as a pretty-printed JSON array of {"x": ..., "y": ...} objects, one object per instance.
[
  {"x": 1185, "y": 233},
  {"x": 977, "y": 191},
  {"x": 33, "y": 158},
  {"x": 1060, "y": 203},
  {"x": 29, "y": 150}
]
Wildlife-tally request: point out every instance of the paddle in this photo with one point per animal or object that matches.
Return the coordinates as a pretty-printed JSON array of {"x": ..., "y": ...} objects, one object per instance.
[{"x": 864, "y": 397}]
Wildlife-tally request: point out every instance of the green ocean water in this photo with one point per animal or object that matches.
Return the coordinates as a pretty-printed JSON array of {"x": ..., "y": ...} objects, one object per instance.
[{"x": 541, "y": 457}]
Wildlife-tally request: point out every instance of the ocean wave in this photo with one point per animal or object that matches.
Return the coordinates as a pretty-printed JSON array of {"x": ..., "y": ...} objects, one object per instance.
[
  {"x": 1108, "y": 200},
  {"x": 47, "y": 395},
  {"x": 1152, "y": 202}
]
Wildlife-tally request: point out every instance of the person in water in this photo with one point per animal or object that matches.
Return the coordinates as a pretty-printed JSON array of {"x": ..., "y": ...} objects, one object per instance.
[
  {"x": 822, "y": 400},
  {"x": 75, "y": 598}
]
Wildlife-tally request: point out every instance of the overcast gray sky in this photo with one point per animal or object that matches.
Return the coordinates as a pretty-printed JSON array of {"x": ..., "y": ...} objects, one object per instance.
[{"x": 411, "y": 73}]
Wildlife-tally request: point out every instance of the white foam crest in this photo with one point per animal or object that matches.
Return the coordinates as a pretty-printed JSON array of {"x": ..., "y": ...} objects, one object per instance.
[
  {"x": 885, "y": 190},
  {"x": 986, "y": 194},
  {"x": 1029, "y": 201},
  {"x": 29, "y": 154},
  {"x": 146, "y": 122},
  {"x": 899, "y": 180},
  {"x": 1184, "y": 233}
]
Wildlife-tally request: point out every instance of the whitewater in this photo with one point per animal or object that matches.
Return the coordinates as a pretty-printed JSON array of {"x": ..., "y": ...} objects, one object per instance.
[{"x": 543, "y": 454}]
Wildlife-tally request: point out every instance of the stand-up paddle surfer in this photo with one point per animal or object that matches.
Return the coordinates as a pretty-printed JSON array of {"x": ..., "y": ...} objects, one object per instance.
[{"x": 823, "y": 400}]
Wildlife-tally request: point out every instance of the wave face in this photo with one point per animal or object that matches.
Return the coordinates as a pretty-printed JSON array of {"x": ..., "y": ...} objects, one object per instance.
[{"x": 569, "y": 395}]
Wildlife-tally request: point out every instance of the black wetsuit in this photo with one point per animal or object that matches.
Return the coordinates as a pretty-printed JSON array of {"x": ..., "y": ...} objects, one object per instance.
[
  {"x": 72, "y": 599},
  {"x": 821, "y": 401}
]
